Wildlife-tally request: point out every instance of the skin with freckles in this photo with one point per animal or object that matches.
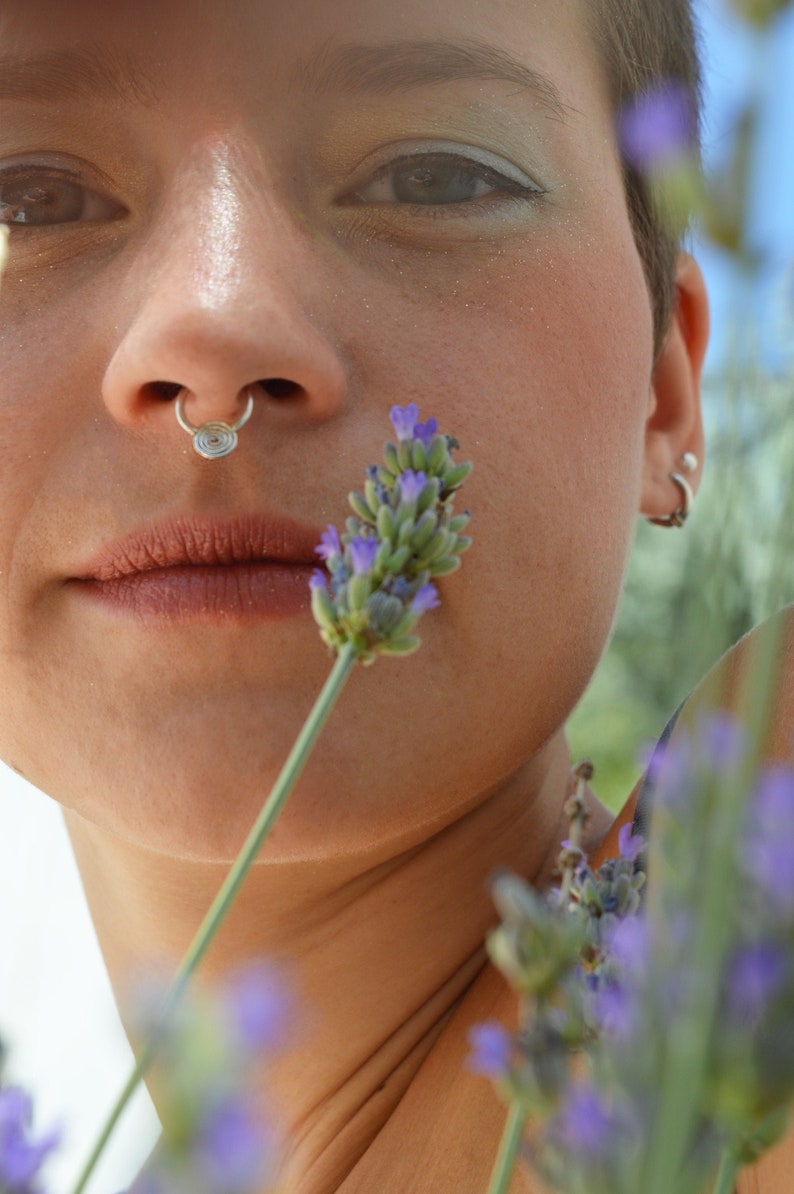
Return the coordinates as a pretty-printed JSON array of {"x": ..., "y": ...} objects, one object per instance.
[{"x": 402, "y": 204}]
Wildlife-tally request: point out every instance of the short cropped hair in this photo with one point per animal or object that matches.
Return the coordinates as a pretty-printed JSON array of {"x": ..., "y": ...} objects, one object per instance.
[{"x": 644, "y": 45}]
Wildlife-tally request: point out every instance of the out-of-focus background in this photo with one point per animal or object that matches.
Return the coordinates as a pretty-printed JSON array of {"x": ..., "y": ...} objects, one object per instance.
[{"x": 691, "y": 593}]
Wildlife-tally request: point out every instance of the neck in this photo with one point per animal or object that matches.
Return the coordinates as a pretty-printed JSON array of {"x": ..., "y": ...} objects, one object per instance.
[{"x": 389, "y": 948}]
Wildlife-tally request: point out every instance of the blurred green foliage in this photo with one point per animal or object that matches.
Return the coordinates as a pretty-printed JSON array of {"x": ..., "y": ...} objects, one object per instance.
[{"x": 690, "y": 594}]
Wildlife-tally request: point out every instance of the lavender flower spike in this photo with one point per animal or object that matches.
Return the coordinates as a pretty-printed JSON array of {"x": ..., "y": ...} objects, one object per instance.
[
  {"x": 657, "y": 128},
  {"x": 426, "y": 432},
  {"x": 403, "y": 420},
  {"x": 631, "y": 845}
]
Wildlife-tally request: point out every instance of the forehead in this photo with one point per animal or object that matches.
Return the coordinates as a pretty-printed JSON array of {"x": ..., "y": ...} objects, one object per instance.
[{"x": 268, "y": 48}]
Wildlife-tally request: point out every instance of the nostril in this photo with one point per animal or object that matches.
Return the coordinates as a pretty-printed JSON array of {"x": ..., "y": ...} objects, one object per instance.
[
  {"x": 165, "y": 390},
  {"x": 281, "y": 387}
]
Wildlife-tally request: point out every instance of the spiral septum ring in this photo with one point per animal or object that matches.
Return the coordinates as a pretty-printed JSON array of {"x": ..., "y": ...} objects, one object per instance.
[{"x": 216, "y": 438}]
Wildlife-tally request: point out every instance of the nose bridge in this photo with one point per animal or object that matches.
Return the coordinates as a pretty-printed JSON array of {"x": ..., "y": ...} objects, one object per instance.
[{"x": 224, "y": 305}]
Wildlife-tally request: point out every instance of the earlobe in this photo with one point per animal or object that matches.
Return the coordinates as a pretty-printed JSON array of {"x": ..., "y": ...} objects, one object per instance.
[{"x": 674, "y": 426}]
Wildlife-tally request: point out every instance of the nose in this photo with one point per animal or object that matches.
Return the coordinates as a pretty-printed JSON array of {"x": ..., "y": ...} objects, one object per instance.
[{"x": 220, "y": 312}]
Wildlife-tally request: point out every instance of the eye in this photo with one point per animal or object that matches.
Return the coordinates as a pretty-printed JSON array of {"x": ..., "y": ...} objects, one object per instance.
[
  {"x": 40, "y": 196},
  {"x": 442, "y": 178}
]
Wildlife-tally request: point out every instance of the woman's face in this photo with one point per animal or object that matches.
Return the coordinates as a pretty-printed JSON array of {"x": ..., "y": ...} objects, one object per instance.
[{"x": 339, "y": 207}]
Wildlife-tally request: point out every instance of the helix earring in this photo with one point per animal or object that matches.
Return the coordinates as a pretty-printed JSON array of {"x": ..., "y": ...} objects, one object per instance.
[
  {"x": 216, "y": 438},
  {"x": 689, "y": 463}
]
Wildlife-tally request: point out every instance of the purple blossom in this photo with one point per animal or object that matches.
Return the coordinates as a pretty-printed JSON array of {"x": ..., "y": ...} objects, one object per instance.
[
  {"x": 670, "y": 770},
  {"x": 234, "y": 1147},
  {"x": 629, "y": 946},
  {"x": 362, "y": 554},
  {"x": 755, "y": 973},
  {"x": 411, "y": 485},
  {"x": 425, "y": 598},
  {"x": 613, "y": 1010},
  {"x": 721, "y": 741},
  {"x": 426, "y": 432},
  {"x": 631, "y": 845},
  {"x": 404, "y": 420},
  {"x": 768, "y": 860},
  {"x": 772, "y": 805},
  {"x": 491, "y": 1049},
  {"x": 657, "y": 128},
  {"x": 329, "y": 545},
  {"x": 585, "y": 1125},
  {"x": 317, "y": 580},
  {"x": 257, "y": 1006},
  {"x": 21, "y": 1157}
]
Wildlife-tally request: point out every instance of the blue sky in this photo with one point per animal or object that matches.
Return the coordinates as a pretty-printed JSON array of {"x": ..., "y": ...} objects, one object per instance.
[{"x": 739, "y": 62}]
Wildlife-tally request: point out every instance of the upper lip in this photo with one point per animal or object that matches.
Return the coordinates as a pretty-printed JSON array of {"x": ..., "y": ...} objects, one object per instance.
[{"x": 203, "y": 541}]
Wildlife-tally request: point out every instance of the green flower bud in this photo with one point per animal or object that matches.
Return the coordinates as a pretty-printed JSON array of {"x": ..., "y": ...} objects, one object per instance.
[
  {"x": 459, "y": 523},
  {"x": 371, "y": 495},
  {"x": 429, "y": 495},
  {"x": 436, "y": 546},
  {"x": 404, "y": 455},
  {"x": 444, "y": 566},
  {"x": 462, "y": 543},
  {"x": 454, "y": 477},
  {"x": 359, "y": 589},
  {"x": 398, "y": 559},
  {"x": 391, "y": 460},
  {"x": 361, "y": 507},
  {"x": 438, "y": 459},
  {"x": 386, "y": 523},
  {"x": 382, "y": 557},
  {"x": 400, "y": 646},
  {"x": 425, "y": 527},
  {"x": 323, "y": 609},
  {"x": 418, "y": 456}
]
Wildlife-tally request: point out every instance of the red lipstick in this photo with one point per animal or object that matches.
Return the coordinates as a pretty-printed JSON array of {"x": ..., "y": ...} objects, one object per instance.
[{"x": 199, "y": 569}]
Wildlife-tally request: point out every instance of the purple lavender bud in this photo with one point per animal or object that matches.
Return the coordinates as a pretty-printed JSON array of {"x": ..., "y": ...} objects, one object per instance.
[
  {"x": 404, "y": 420},
  {"x": 491, "y": 1046},
  {"x": 629, "y": 947},
  {"x": 755, "y": 973},
  {"x": 425, "y": 598},
  {"x": 20, "y": 1157},
  {"x": 257, "y": 1006},
  {"x": 721, "y": 741},
  {"x": 329, "y": 545},
  {"x": 234, "y": 1148},
  {"x": 585, "y": 1125},
  {"x": 772, "y": 805},
  {"x": 362, "y": 554},
  {"x": 411, "y": 485},
  {"x": 318, "y": 579},
  {"x": 656, "y": 128},
  {"x": 631, "y": 845},
  {"x": 613, "y": 1009},
  {"x": 768, "y": 860},
  {"x": 426, "y": 432}
]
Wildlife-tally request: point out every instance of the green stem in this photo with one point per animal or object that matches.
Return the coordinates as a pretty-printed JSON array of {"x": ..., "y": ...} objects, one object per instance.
[
  {"x": 508, "y": 1149},
  {"x": 286, "y": 781},
  {"x": 726, "y": 1178}
]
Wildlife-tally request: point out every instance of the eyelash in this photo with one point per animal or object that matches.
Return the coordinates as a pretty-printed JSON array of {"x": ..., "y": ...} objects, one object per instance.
[
  {"x": 503, "y": 189},
  {"x": 88, "y": 203}
]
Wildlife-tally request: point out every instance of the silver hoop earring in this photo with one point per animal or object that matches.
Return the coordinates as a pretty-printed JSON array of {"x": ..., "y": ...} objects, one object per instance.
[
  {"x": 679, "y": 516},
  {"x": 216, "y": 438}
]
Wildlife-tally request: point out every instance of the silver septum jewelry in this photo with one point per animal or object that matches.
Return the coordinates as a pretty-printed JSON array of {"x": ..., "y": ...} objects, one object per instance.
[
  {"x": 216, "y": 438},
  {"x": 689, "y": 463}
]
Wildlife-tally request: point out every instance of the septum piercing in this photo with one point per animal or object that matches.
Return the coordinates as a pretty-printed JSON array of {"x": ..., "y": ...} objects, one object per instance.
[{"x": 216, "y": 438}]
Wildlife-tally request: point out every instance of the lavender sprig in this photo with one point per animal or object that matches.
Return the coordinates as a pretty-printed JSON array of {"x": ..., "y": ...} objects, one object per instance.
[
  {"x": 380, "y": 569},
  {"x": 402, "y": 535}
]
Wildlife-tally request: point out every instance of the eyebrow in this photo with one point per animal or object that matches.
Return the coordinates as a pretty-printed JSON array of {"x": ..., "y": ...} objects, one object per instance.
[
  {"x": 73, "y": 74},
  {"x": 386, "y": 67}
]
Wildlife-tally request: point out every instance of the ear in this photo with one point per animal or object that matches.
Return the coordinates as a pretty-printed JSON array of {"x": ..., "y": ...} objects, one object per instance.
[{"x": 674, "y": 425}]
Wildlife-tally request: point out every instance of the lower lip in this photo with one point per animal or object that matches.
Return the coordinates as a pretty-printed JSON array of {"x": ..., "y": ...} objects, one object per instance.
[{"x": 212, "y": 593}]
